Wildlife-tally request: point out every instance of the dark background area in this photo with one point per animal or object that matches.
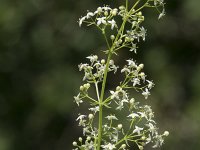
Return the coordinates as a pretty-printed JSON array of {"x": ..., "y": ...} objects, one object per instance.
[{"x": 41, "y": 45}]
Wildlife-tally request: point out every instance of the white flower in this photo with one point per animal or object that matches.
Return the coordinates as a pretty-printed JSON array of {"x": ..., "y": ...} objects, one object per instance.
[
  {"x": 109, "y": 146},
  {"x": 131, "y": 63},
  {"x": 133, "y": 115},
  {"x": 92, "y": 58},
  {"x": 121, "y": 104},
  {"x": 137, "y": 130},
  {"x": 162, "y": 14},
  {"x": 152, "y": 129},
  {"x": 142, "y": 33},
  {"x": 81, "y": 120},
  {"x": 136, "y": 81},
  {"x": 106, "y": 8},
  {"x": 133, "y": 48},
  {"x": 148, "y": 140},
  {"x": 82, "y": 66},
  {"x": 80, "y": 117},
  {"x": 150, "y": 84},
  {"x": 89, "y": 14},
  {"x": 77, "y": 99},
  {"x": 114, "y": 94},
  {"x": 158, "y": 141},
  {"x": 166, "y": 133},
  {"x": 111, "y": 117},
  {"x": 101, "y": 21},
  {"x": 146, "y": 93},
  {"x": 142, "y": 115},
  {"x": 113, "y": 23},
  {"x": 81, "y": 20},
  {"x": 126, "y": 70},
  {"x": 94, "y": 109}
]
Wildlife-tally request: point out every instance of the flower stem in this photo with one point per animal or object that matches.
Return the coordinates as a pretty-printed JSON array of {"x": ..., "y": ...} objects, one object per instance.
[{"x": 101, "y": 101}]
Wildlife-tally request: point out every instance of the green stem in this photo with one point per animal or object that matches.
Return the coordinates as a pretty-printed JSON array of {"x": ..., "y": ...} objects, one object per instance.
[
  {"x": 101, "y": 101},
  {"x": 111, "y": 50}
]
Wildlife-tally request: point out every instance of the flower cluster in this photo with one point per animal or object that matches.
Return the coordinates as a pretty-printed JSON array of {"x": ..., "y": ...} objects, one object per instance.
[
  {"x": 142, "y": 129},
  {"x": 95, "y": 70},
  {"x": 111, "y": 132}
]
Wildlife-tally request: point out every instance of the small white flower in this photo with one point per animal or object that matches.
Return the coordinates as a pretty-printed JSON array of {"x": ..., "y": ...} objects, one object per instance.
[
  {"x": 162, "y": 14},
  {"x": 148, "y": 140},
  {"x": 113, "y": 23},
  {"x": 126, "y": 70},
  {"x": 82, "y": 66},
  {"x": 166, "y": 133},
  {"x": 146, "y": 93},
  {"x": 114, "y": 94},
  {"x": 89, "y": 14},
  {"x": 131, "y": 63},
  {"x": 101, "y": 21},
  {"x": 136, "y": 81},
  {"x": 77, "y": 99},
  {"x": 80, "y": 117},
  {"x": 92, "y": 58},
  {"x": 94, "y": 109},
  {"x": 137, "y": 130},
  {"x": 133, "y": 48},
  {"x": 150, "y": 84},
  {"x": 142, "y": 33},
  {"x": 109, "y": 146},
  {"x": 111, "y": 117},
  {"x": 142, "y": 115},
  {"x": 81, "y": 21},
  {"x": 158, "y": 141},
  {"x": 133, "y": 115},
  {"x": 121, "y": 104},
  {"x": 152, "y": 129},
  {"x": 106, "y": 8}
]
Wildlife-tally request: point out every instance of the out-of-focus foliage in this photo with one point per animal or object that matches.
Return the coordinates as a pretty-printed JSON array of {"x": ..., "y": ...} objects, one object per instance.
[{"x": 41, "y": 46}]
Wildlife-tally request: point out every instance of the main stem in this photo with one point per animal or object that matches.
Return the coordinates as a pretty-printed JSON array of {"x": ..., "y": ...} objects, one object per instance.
[
  {"x": 101, "y": 100},
  {"x": 111, "y": 49}
]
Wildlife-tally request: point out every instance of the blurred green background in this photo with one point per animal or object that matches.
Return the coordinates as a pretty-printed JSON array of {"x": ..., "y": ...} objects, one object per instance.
[{"x": 41, "y": 46}]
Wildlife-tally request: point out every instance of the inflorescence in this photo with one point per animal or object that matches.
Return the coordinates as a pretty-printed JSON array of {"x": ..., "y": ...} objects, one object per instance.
[{"x": 113, "y": 133}]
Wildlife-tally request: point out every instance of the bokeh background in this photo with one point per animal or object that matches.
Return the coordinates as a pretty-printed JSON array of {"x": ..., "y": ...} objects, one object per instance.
[{"x": 41, "y": 45}]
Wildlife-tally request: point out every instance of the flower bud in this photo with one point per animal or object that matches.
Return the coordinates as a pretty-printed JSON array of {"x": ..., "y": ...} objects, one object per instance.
[
  {"x": 127, "y": 39},
  {"x": 166, "y": 133},
  {"x": 119, "y": 126},
  {"x": 140, "y": 147},
  {"x": 143, "y": 138},
  {"x": 141, "y": 66},
  {"x": 112, "y": 37},
  {"x": 132, "y": 100},
  {"x": 74, "y": 143},
  {"x": 106, "y": 13},
  {"x": 120, "y": 41},
  {"x": 81, "y": 88},
  {"x": 121, "y": 7},
  {"x": 103, "y": 61},
  {"x": 99, "y": 9},
  {"x": 80, "y": 139},
  {"x": 141, "y": 18},
  {"x": 111, "y": 62},
  {"x": 86, "y": 86},
  {"x": 88, "y": 138},
  {"x": 139, "y": 13},
  {"x": 123, "y": 146},
  {"x": 114, "y": 12},
  {"x": 118, "y": 88},
  {"x": 90, "y": 116},
  {"x": 142, "y": 74}
]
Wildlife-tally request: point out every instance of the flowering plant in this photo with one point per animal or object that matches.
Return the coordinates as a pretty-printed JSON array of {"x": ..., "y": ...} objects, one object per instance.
[{"x": 110, "y": 133}]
